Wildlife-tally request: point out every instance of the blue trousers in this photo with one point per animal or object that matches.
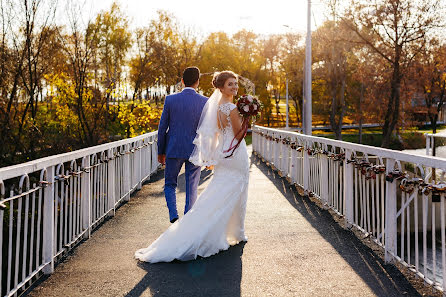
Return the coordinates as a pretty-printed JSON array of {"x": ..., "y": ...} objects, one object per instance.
[{"x": 173, "y": 167}]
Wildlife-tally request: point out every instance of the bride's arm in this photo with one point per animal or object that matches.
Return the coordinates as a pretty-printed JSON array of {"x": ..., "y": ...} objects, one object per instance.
[{"x": 236, "y": 122}]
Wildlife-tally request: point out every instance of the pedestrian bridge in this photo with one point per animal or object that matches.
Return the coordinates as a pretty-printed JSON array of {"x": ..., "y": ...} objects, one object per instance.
[{"x": 324, "y": 218}]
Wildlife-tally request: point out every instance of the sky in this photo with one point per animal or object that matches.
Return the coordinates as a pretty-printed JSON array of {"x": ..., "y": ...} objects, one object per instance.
[{"x": 205, "y": 16}]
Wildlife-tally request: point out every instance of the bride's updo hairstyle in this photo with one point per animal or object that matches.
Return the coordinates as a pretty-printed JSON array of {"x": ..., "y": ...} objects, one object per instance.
[{"x": 221, "y": 77}]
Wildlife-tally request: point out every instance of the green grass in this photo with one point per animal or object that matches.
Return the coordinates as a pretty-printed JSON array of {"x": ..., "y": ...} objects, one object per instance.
[
  {"x": 248, "y": 139},
  {"x": 410, "y": 139}
]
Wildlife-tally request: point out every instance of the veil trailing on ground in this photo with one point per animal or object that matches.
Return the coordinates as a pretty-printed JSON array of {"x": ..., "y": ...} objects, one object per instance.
[{"x": 207, "y": 150}]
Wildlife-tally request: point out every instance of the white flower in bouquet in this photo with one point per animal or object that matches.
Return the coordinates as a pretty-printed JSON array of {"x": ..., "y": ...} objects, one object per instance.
[
  {"x": 250, "y": 98},
  {"x": 246, "y": 108}
]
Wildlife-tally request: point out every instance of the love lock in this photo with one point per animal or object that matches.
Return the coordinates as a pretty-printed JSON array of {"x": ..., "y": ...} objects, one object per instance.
[
  {"x": 339, "y": 157},
  {"x": 408, "y": 188},
  {"x": 436, "y": 197},
  {"x": 389, "y": 177},
  {"x": 370, "y": 174},
  {"x": 437, "y": 191},
  {"x": 351, "y": 161},
  {"x": 395, "y": 175},
  {"x": 379, "y": 169}
]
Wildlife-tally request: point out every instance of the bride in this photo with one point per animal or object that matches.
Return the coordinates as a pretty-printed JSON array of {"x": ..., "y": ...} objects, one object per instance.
[{"x": 216, "y": 221}]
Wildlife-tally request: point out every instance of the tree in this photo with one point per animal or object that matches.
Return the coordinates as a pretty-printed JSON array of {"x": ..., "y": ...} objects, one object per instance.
[
  {"x": 333, "y": 50},
  {"x": 112, "y": 40},
  {"x": 143, "y": 69},
  {"x": 429, "y": 79},
  {"x": 270, "y": 54},
  {"x": 79, "y": 45},
  {"x": 396, "y": 30},
  {"x": 26, "y": 38},
  {"x": 292, "y": 61}
]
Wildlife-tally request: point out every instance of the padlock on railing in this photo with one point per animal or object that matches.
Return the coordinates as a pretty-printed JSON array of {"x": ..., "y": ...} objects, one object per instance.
[{"x": 390, "y": 177}]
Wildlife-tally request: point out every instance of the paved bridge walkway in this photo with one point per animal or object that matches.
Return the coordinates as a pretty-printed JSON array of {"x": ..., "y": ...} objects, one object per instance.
[{"x": 294, "y": 249}]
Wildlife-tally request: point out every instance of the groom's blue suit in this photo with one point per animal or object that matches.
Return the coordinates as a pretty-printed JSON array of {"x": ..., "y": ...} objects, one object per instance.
[{"x": 176, "y": 132}]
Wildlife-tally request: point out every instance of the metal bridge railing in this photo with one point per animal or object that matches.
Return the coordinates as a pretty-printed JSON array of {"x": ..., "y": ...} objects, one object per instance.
[
  {"x": 396, "y": 198},
  {"x": 48, "y": 205}
]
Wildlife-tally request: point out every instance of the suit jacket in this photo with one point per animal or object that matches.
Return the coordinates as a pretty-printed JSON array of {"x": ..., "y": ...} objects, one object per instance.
[{"x": 178, "y": 124}]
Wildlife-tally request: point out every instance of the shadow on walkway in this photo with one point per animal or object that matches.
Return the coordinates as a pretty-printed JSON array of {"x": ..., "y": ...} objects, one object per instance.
[
  {"x": 219, "y": 275},
  {"x": 383, "y": 279}
]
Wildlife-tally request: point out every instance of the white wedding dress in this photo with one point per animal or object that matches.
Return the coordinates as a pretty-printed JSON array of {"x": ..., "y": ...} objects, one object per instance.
[{"x": 216, "y": 220}]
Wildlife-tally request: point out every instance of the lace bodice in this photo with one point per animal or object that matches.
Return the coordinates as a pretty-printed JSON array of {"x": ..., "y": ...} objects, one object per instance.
[{"x": 226, "y": 108}]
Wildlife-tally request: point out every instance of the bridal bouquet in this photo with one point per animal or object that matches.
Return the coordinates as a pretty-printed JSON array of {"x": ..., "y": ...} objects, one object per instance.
[{"x": 249, "y": 108}]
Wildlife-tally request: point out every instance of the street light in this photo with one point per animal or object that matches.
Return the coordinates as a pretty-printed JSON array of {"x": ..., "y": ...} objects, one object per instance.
[{"x": 307, "y": 113}]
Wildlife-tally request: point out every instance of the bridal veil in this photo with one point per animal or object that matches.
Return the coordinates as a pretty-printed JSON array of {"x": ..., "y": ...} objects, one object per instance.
[{"x": 207, "y": 150}]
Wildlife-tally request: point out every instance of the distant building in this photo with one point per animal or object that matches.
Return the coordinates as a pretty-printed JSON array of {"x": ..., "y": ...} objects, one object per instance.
[{"x": 420, "y": 112}]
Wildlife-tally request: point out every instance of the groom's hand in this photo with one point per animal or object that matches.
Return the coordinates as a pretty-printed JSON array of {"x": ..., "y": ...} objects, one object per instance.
[{"x": 162, "y": 159}]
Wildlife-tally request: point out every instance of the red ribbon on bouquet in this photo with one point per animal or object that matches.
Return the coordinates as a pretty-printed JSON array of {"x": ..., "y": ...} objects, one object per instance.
[{"x": 243, "y": 131}]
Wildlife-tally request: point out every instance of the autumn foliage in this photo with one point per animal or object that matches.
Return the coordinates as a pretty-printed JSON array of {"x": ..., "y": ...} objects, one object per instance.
[{"x": 64, "y": 87}]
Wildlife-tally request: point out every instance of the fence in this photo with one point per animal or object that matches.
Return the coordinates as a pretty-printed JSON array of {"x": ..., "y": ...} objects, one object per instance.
[
  {"x": 55, "y": 202},
  {"x": 433, "y": 141},
  {"x": 396, "y": 198}
]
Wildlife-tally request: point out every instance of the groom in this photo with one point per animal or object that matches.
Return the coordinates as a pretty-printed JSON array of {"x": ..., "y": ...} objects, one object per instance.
[{"x": 176, "y": 132}]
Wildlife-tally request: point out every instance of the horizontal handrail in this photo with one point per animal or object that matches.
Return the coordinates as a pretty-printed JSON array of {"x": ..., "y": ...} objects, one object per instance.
[
  {"x": 383, "y": 152},
  {"x": 38, "y": 164}
]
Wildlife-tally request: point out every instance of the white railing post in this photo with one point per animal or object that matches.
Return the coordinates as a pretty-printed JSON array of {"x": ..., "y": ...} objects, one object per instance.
[
  {"x": 269, "y": 152},
  {"x": 276, "y": 146},
  {"x": 293, "y": 161},
  {"x": 138, "y": 165},
  {"x": 282, "y": 155},
  {"x": 348, "y": 188},
  {"x": 149, "y": 159},
  {"x": 391, "y": 220},
  {"x": 432, "y": 145},
  {"x": 254, "y": 139},
  {"x": 154, "y": 151},
  {"x": 306, "y": 168},
  {"x": 111, "y": 183},
  {"x": 127, "y": 176},
  {"x": 428, "y": 143},
  {"x": 48, "y": 222},
  {"x": 287, "y": 160},
  {"x": 86, "y": 196},
  {"x": 267, "y": 147},
  {"x": 324, "y": 178}
]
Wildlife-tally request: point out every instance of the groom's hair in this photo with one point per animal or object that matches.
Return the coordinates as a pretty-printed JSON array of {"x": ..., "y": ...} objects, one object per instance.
[{"x": 191, "y": 75}]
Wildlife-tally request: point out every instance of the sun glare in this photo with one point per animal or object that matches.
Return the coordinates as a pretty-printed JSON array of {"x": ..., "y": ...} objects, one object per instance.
[{"x": 230, "y": 16}]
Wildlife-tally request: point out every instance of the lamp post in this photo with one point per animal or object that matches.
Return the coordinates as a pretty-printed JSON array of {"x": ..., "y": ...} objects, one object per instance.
[{"x": 307, "y": 112}]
